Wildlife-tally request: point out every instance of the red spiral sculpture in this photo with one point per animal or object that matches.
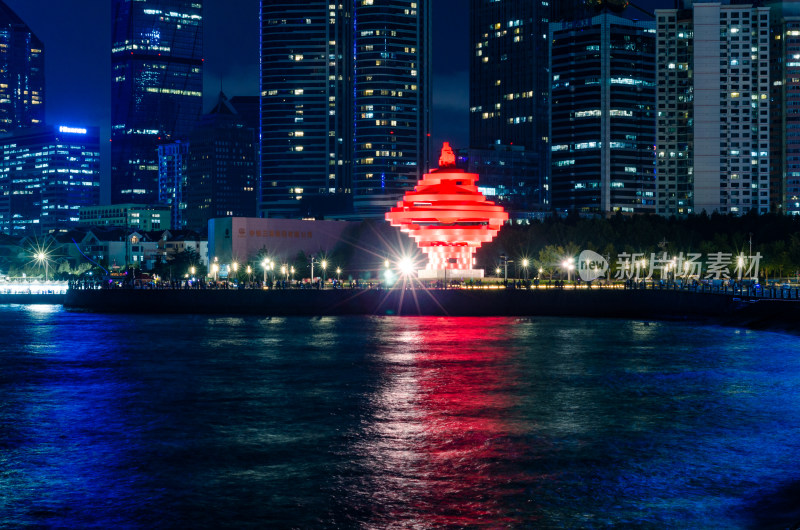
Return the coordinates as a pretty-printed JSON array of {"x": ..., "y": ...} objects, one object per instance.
[{"x": 447, "y": 216}]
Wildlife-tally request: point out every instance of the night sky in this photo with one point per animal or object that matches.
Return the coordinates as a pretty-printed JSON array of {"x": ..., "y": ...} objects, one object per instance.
[{"x": 77, "y": 39}]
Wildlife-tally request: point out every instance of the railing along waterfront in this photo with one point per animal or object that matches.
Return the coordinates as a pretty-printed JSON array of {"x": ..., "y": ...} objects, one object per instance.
[{"x": 727, "y": 288}]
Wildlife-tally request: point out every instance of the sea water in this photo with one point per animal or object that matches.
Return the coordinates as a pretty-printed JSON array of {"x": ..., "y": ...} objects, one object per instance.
[{"x": 137, "y": 421}]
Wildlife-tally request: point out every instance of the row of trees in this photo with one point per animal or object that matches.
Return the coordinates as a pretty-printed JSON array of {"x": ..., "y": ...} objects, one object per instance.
[
  {"x": 776, "y": 238},
  {"x": 545, "y": 244}
]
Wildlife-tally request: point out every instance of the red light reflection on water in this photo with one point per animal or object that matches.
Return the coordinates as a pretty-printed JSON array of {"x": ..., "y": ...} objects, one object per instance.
[{"x": 442, "y": 442}]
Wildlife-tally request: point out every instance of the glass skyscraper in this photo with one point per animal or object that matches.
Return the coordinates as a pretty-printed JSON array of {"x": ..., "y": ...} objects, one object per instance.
[
  {"x": 157, "y": 88},
  {"x": 46, "y": 175},
  {"x": 392, "y": 101},
  {"x": 21, "y": 73},
  {"x": 603, "y": 115},
  {"x": 345, "y": 94},
  {"x": 509, "y": 86}
]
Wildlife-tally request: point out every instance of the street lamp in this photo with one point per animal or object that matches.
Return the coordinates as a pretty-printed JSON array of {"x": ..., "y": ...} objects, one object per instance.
[
  {"x": 264, "y": 265},
  {"x": 525, "y": 266},
  {"x": 324, "y": 268},
  {"x": 312, "y": 269},
  {"x": 249, "y": 273},
  {"x": 292, "y": 270},
  {"x": 338, "y": 273},
  {"x": 569, "y": 264},
  {"x": 215, "y": 269},
  {"x": 506, "y": 261},
  {"x": 236, "y": 271},
  {"x": 284, "y": 272},
  {"x": 43, "y": 257},
  {"x": 192, "y": 270}
]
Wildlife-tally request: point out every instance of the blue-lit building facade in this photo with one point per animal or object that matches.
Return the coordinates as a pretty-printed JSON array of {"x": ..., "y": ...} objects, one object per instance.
[
  {"x": 21, "y": 73},
  {"x": 345, "y": 100},
  {"x": 46, "y": 175},
  {"x": 603, "y": 116},
  {"x": 172, "y": 159},
  {"x": 157, "y": 88},
  {"x": 509, "y": 90}
]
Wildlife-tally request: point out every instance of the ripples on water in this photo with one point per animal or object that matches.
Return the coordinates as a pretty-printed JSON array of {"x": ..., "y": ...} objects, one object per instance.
[{"x": 123, "y": 421}]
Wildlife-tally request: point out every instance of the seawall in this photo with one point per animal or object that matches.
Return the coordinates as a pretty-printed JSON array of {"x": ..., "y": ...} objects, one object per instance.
[
  {"x": 594, "y": 303},
  {"x": 30, "y": 298}
]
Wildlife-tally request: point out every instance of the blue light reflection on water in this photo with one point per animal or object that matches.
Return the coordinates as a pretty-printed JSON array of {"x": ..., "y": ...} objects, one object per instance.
[{"x": 172, "y": 421}]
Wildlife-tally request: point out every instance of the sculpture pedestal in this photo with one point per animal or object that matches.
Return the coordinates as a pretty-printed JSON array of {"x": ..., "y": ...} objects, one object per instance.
[{"x": 449, "y": 274}]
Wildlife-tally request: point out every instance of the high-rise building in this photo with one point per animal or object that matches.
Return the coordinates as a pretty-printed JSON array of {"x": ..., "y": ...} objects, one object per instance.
[
  {"x": 46, "y": 175},
  {"x": 603, "y": 115},
  {"x": 785, "y": 110},
  {"x": 392, "y": 100},
  {"x": 172, "y": 159},
  {"x": 713, "y": 113},
  {"x": 220, "y": 168},
  {"x": 509, "y": 86},
  {"x": 157, "y": 88},
  {"x": 21, "y": 73},
  {"x": 503, "y": 169},
  {"x": 345, "y": 92}
]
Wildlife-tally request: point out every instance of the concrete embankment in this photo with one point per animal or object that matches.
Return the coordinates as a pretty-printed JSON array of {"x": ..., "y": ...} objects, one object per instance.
[
  {"x": 611, "y": 303},
  {"x": 29, "y": 298}
]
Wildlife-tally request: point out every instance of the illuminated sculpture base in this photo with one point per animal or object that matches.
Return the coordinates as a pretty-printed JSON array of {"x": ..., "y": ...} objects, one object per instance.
[{"x": 449, "y": 274}]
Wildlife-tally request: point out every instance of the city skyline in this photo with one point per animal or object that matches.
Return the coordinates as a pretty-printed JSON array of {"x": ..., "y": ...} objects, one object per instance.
[{"x": 78, "y": 61}]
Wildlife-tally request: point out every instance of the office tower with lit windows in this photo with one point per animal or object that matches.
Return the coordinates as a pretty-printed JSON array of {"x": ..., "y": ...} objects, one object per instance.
[
  {"x": 392, "y": 99},
  {"x": 306, "y": 106},
  {"x": 785, "y": 111},
  {"x": 713, "y": 109},
  {"x": 220, "y": 168},
  {"x": 603, "y": 115},
  {"x": 509, "y": 86},
  {"x": 21, "y": 73},
  {"x": 46, "y": 175},
  {"x": 157, "y": 88},
  {"x": 345, "y": 91}
]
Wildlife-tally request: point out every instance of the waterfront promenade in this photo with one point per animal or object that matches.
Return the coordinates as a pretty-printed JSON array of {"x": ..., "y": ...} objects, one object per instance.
[{"x": 718, "y": 306}]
